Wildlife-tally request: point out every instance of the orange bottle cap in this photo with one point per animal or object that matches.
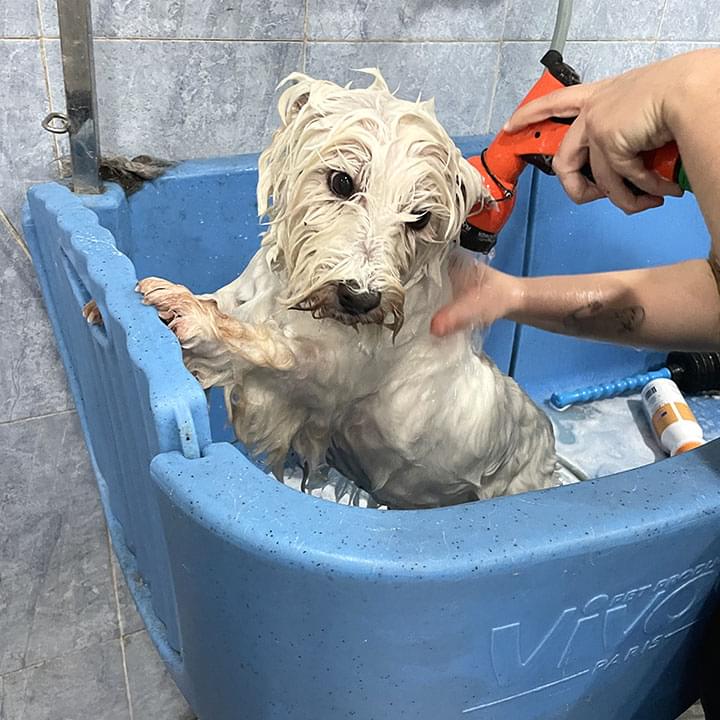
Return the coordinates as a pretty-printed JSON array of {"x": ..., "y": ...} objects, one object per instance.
[{"x": 691, "y": 445}]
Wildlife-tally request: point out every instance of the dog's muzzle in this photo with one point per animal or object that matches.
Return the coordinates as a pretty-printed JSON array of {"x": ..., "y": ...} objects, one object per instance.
[{"x": 346, "y": 303}]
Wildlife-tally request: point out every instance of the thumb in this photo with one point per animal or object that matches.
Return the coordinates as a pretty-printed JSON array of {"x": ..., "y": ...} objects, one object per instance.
[{"x": 455, "y": 316}]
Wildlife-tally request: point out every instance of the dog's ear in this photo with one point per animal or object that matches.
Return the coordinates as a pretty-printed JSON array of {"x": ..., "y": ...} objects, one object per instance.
[
  {"x": 429, "y": 107},
  {"x": 299, "y": 103},
  {"x": 272, "y": 179},
  {"x": 469, "y": 190},
  {"x": 295, "y": 97},
  {"x": 470, "y": 187}
]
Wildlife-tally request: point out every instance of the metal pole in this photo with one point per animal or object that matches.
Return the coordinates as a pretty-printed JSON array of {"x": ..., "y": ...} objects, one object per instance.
[{"x": 78, "y": 69}]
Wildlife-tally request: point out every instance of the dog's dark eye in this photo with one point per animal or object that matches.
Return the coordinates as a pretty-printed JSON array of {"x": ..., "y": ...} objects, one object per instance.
[
  {"x": 421, "y": 222},
  {"x": 341, "y": 184}
]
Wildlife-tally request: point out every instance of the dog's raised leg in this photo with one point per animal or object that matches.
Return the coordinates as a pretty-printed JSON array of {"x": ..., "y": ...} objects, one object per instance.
[
  {"x": 214, "y": 343},
  {"x": 220, "y": 350}
]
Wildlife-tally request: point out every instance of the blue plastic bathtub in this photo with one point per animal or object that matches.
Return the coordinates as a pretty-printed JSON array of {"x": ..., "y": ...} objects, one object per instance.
[{"x": 585, "y": 602}]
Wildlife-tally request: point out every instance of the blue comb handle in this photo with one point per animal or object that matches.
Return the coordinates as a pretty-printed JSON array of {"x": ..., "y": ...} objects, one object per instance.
[{"x": 607, "y": 390}]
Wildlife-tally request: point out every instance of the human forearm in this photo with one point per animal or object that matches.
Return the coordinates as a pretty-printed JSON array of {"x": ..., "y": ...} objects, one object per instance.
[
  {"x": 693, "y": 114},
  {"x": 675, "y": 306},
  {"x": 616, "y": 120}
]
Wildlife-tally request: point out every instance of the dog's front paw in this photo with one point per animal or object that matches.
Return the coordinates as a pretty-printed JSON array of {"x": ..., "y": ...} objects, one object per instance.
[
  {"x": 177, "y": 307},
  {"x": 91, "y": 312}
]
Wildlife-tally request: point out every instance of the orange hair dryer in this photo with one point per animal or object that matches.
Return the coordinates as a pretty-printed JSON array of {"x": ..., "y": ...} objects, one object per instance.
[{"x": 504, "y": 160}]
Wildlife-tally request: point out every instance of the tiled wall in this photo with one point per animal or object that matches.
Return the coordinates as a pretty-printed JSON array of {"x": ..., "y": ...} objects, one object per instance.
[{"x": 185, "y": 78}]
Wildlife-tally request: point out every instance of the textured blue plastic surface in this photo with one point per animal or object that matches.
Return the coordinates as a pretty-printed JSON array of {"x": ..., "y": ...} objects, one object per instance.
[
  {"x": 609, "y": 389},
  {"x": 582, "y": 602},
  {"x": 563, "y": 239}
]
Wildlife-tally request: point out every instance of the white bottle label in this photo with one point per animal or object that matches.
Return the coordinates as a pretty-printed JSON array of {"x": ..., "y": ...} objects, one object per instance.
[{"x": 673, "y": 422}]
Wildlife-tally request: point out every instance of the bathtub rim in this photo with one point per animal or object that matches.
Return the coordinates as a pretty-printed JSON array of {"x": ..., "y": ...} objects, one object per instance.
[{"x": 429, "y": 532}]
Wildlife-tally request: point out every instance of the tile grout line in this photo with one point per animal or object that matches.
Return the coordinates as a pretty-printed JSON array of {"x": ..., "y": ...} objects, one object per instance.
[
  {"x": 134, "y": 632},
  {"x": 659, "y": 28},
  {"x": 46, "y": 72},
  {"x": 55, "y": 658},
  {"x": 384, "y": 41},
  {"x": 121, "y": 628},
  {"x": 14, "y": 234},
  {"x": 249, "y": 41},
  {"x": 4, "y": 423},
  {"x": 30, "y": 666}
]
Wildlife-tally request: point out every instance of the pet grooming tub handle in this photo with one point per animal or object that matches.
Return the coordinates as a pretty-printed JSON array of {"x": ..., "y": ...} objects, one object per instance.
[{"x": 81, "y": 121}]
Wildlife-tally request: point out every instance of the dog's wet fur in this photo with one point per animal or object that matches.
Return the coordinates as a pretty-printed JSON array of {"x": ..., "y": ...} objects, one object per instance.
[{"x": 366, "y": 193}]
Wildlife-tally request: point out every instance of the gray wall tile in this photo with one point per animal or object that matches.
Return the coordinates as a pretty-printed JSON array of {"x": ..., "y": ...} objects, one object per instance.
[
  {"x": 12, "y": 195},
  {"x": 691, "y": 21},
  {"x": 32, "y": 380},
  {"x": 153, "y": 694},
  {"x": 18, "y": 18},
  {"x": 597, "y": 60},
  {"x": 56, "y": 593},
  {"x": 84, "y": 685},
  {"x": 591, "y": 20},
  {"x": 56, "y": 94},
  {"x": 241, "y": 19},
  {"x": 48, "y": 17},
  {"x": 669, "y": 49},
  {"x": 189, "y": 99},
  {"x": 520, "y": 68},
  {"x": 408, "y": 20},
  {"x": 25, "y": 148},
  {"x": 460, "y": 76},
  {"x": 248, "y": 19},
  {"x": 372, "y": 20}
]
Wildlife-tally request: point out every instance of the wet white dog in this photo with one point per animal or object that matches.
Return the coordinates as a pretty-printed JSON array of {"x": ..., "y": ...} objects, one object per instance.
[{"x": 323, "y": 343}]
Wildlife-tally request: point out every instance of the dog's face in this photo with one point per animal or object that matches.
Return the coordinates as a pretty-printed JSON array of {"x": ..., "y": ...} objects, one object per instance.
[{"x": 366, "y": 193}]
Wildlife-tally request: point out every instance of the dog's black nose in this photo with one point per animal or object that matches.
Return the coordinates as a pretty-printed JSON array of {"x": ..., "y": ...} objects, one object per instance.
[{"x": 357, "y": 302}]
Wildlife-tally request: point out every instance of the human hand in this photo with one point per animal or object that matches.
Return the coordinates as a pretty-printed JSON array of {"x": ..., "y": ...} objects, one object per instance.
[
  {"x": 616, "y": 120},
  {"x": 481, "y": 296}
]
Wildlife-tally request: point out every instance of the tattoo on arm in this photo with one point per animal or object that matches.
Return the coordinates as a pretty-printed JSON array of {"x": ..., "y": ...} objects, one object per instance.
[{"x": 595, "y": 319}]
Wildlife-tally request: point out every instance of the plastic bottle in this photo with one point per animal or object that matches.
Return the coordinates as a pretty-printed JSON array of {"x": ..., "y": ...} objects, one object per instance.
[{"x": 672, "y": 420}]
